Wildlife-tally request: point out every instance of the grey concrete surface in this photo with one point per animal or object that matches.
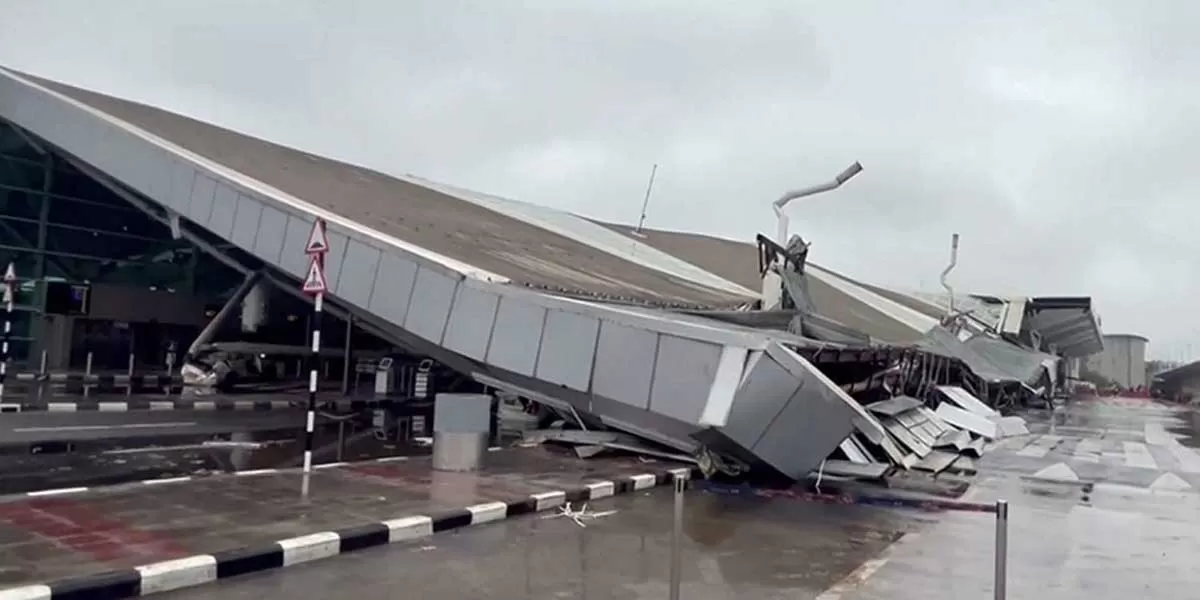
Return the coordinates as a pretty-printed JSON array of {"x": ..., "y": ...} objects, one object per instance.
[
  {"x": 52, "y": 537},
  {"x": 31, "y": 427},
  {"x": 1108, "y": 534},
  {"x": 733, "y": 549}
]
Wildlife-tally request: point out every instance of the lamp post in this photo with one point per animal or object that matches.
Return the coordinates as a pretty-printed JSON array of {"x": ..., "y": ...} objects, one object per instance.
[{"x": 783, "y": 200}]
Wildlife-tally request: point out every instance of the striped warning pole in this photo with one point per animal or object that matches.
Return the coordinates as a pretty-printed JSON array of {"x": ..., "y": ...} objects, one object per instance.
[
  {"x": 10, "y": 279},
  {"x": 314, "y": 283}
]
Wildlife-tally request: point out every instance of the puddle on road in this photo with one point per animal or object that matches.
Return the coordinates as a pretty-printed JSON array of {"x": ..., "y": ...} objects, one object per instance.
[
  {"x": 121, "y": 461},
  {"x": 1187, "y": 428}
]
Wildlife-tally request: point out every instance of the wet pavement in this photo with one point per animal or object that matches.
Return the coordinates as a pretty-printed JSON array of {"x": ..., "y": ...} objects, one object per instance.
[
  {"x": 111, "y": 462},
  {"x": 52, "y": 537},
  {"x": 734, "y": 548},
  {"x": 1104, "y": 505}
]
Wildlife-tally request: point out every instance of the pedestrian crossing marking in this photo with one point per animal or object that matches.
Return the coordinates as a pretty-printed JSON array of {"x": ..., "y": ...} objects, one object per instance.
[
  {"x": 1189, "y": 462},
  {"x": 1156, "y": 435},
  {"x": 1170, "y": 482},
  {"x": 1040, "y": 446},
  {"x": 1057, "y": 472},
  {"x": 1137, "y": 455},
  {"x": 1088, "y": 450}
]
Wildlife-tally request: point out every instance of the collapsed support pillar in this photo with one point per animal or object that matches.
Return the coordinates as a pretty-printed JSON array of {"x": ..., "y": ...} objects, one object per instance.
[
  {"x": 214, "y": 325},
  {"x": 461, "y": 428}
]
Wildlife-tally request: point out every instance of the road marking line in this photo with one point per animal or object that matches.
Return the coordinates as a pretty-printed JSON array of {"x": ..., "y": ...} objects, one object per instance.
[
  {"x": 1156, "y": 435},
  {"x": 1088, "y": 450},
  {"x": 1137, "y": 455},
  {"x": 1171, "y": 482},
  {"x": 1189, "y": 462},
  {"x": 1057, "y": 472},
  {"x": 57, "y": 492},
  {"x": 859, "y": 576},
  {"x": 1040, "y": 446},
  {"x": 103, "y": 427}
]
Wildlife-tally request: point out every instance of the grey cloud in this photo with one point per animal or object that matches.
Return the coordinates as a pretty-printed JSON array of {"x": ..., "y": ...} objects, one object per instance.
[{"x": 1056, "y": 137}]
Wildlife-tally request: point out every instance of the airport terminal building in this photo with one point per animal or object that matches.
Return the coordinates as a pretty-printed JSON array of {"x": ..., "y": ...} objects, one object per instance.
[{"x": 132, "y": 228}]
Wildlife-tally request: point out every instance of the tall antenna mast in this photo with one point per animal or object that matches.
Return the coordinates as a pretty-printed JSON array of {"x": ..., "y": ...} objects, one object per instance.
[{"x": 646, "y": 202}]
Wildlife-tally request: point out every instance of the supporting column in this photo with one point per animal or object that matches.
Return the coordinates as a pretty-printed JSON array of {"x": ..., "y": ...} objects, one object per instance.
[
  {"x": 37, "y": 320},
  {"x": 214, "y": 325},
  {"x": 461, "y": 423},
  {"x": 346, "y": 356}
]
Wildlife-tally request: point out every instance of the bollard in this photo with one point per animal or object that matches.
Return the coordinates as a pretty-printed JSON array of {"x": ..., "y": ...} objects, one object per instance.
[
  {"x": 130, "y": 373},
  {"x": 677, "y": 539},
  {"x": 87, "y": 375},
  {"x": 42, "y": 368},
  {"x": 341, "y": 439},
  {"x": 1000, "y": 587}
]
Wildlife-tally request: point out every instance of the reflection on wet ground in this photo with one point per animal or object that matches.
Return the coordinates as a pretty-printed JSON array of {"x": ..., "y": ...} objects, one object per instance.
[
  {"x": 121, "y": 461},
  {"x": 46, "y": 538},
  {"x": 1105, "y": 500},
  {"x": 733, "y": 549},
  {"x": 1126, "y": 529}
]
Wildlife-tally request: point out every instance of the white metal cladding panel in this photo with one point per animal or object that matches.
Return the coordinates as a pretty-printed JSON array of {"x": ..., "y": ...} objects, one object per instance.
[
  {"x": 516, "y": 335},
  {"x": 224, "y": 210},
  {"x": 568, "y": 347},
  {"x": 202, "y": 199},
  {"x": 272, "y": 226},
  {"x": 393, "y": 287},
  {"x": 624, "y": 364},
  {"x": 357, "y": 279},
  {"x": 430, "y": 305},
  {"x": 249, "y": 216},
  {"x": 338, "y": 241},
  {"x": 812, "y": 423},
  {"x": 292, "y": 258},
  {"x": 183, "y": 177},
  {"x": 684, "y": 372},
  {"x": 763, "y": 394},
  {"x": 471, "y": 321}
]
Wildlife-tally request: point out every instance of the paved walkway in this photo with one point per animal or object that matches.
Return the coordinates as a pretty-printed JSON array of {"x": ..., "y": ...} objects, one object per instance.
[
  {"x": 734, "y": 549},
  {"x": 1105, "y": 504},
  {"x": 1101, "y": 534},
  {"x": 54, "y": 537}
]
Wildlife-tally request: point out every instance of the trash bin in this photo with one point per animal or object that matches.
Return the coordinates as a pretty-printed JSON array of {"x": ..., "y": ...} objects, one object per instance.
[{"x": 461, "y": 423}]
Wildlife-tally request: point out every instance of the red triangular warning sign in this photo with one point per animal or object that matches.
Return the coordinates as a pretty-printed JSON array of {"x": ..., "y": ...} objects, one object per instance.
[
  {"x": 314, "y": 283},
  {"x": 318, "y": 239}
]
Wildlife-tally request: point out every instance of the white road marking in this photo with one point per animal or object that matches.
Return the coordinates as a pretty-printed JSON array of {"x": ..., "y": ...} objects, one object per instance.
[
  {"x": 859, "y": 576},
  {"x": 1057, "y": 472},
  {"x": 1156, "y": 435},
  {"x": 1088, "y": 450},
  {"x": 1189, "y": 462},
  {"x": 1137, "y": 455},
  {"x": 1040, "y": 446},
  {"x": 104, "y": 427},
  {"x": 1171, "y": 482}
]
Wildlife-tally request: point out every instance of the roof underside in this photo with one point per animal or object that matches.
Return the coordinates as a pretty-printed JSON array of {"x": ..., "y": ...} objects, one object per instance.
[{"x": 486, "y": 239}]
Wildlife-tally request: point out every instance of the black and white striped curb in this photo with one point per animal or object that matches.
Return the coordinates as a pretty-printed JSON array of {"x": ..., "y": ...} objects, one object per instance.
[
  {"x": 207, "y": 568},
  {"x": 145, "y": 404},
  {"x": 101, "y": 379}
]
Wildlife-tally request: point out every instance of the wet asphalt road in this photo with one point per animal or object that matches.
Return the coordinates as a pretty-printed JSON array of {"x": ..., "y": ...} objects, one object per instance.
[
  {"x": 1092, "y": 517},
  {"x": 32, "y": 427}
]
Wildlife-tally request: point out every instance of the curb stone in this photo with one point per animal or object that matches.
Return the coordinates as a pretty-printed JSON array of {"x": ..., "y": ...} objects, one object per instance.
[
  {"x": 206, "y": 568},
  {"x": 149, "y": 405}
]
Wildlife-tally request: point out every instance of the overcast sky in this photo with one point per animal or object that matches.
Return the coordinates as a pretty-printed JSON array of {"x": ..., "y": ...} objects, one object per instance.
[{"x": 1059, "y": 138}]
